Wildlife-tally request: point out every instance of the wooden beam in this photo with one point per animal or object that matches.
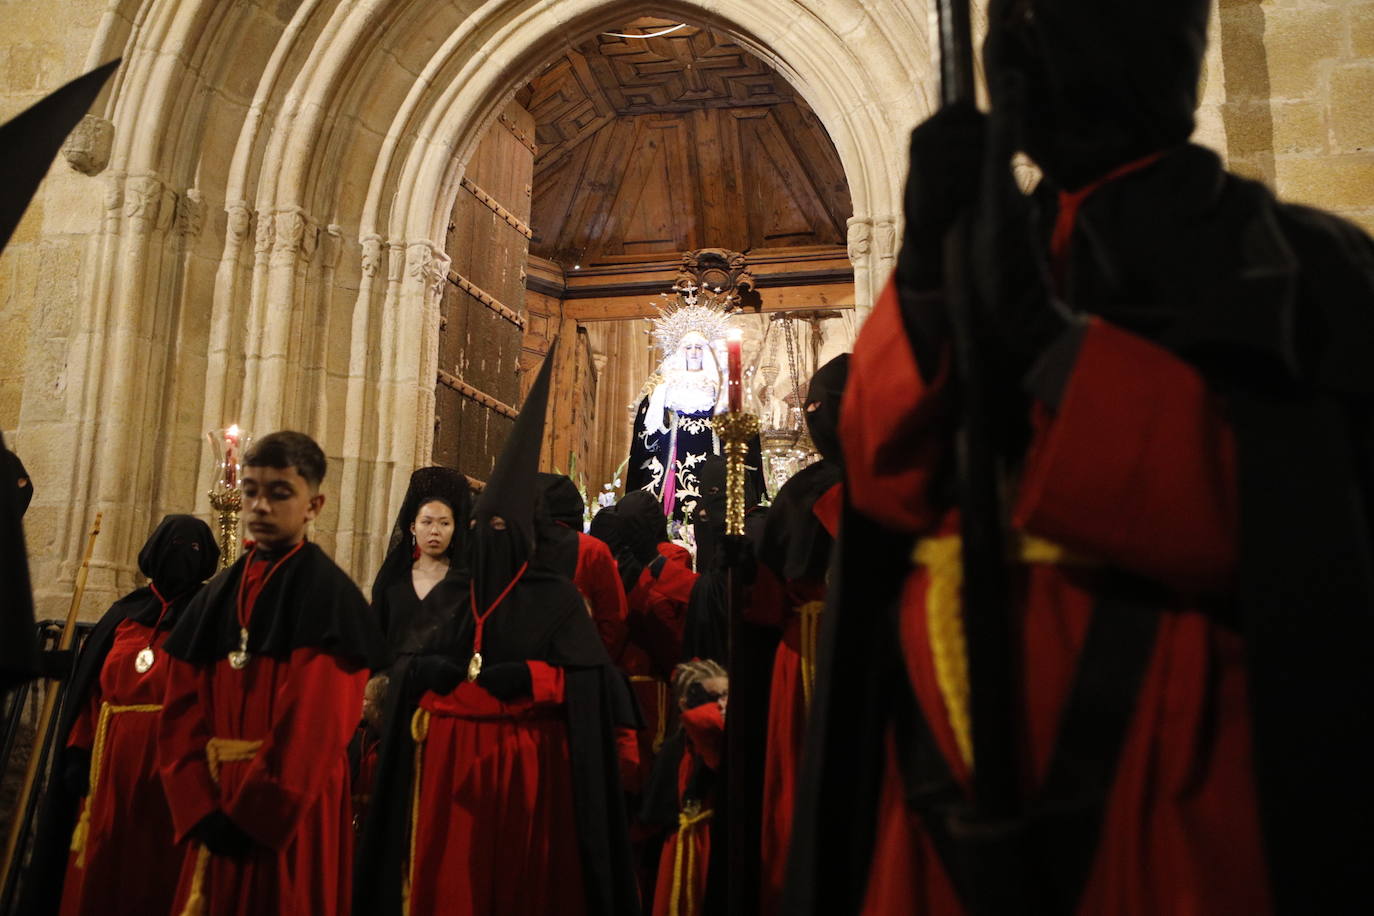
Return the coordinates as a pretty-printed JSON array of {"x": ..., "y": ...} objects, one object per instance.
[
  {"x": 486, "y": 298},
  {"x": 450, "y": 380},
  {"x": 775, "y": 299},
  {"x": 491, "y": 203}
]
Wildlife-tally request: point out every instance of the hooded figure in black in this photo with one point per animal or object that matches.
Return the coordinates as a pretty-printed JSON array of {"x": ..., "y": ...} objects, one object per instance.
[
  {"x": 797, "y": 538},
  {"x": 394, "y": 601},
  {"x": 796, "y": 545},
  {"x": 28, "y": 144},
  {"x": 558, "y": 518},
  {"x": 1137, "y": 230},
  {"x": 134, "y": 854},
  {"x": 536, "y": 665}
]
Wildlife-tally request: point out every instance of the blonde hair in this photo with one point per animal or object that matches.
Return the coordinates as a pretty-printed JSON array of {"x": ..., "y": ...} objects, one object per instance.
[{"x": 694, "y": 672}]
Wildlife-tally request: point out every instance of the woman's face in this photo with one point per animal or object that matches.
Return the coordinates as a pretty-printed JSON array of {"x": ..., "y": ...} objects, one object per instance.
[{"x": 433, "y": 529}]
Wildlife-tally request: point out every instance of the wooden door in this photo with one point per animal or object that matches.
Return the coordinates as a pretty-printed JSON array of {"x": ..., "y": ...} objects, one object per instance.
[{"x": 482, "y": 315}]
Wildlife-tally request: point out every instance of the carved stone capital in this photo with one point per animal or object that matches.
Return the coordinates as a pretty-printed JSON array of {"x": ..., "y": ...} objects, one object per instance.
[
  {"x": 142, "y": 203},
  {"x": 265, "y": 232},
  {"x": 190, "y": 213},
  {"x": 372, "y": 254},
  {"x": 240, "y": 221},
  {"x": 885, "y": 238},
  {"x": 87, "y": 147},
  {"x": 290, "y": 226},
  {"x": 114, "y": 200},
  {"x": 395, "y": 262},
  {"x": 860, "y": 239}
]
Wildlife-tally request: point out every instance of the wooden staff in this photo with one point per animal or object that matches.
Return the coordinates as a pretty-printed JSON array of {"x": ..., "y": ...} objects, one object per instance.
[{"x": 45, "y": 721}]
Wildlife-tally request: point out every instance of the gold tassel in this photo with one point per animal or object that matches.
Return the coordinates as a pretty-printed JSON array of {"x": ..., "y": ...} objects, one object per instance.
[
  {"x": 810, "y": 637},
  {"x": 661, "y": 703},
  {"x": 687, "y": 821}
]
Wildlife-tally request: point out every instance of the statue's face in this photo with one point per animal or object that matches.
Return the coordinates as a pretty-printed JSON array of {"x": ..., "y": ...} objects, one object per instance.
[{"x": 692, "y": 351}]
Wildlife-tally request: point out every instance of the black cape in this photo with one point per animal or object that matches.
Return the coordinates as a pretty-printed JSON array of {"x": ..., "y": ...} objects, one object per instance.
[
  {"x": 795, "y": 545},
  {"x": 18, "y": 639},
  {"x": 47, "y": 869},
  {"x": 543, "y": 619},
  {"x": 1274, "y": 304},
  {"x": 309, "y": 603}
]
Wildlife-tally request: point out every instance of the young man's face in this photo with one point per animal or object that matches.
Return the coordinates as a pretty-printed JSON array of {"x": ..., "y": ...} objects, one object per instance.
[{"x": 277, "y": 504}]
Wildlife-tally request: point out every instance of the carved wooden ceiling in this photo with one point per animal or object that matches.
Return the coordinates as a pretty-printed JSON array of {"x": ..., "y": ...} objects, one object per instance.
[{"x": 684, "y": 141}]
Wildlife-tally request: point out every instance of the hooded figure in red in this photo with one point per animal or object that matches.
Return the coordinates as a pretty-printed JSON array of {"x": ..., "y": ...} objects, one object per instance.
[
  {"x": 105, "y": 820},
  {"x": 1183, "y": 421},
  {"x": 798, "y": 534},
  {"x": 498, "y": 791}
]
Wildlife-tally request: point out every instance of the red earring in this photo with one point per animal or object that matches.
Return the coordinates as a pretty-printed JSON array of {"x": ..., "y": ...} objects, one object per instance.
[{"x": 414, "y": 549}]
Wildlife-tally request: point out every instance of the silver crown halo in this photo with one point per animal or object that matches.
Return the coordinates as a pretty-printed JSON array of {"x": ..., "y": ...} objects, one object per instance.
[{"x": 707, "y": 312}]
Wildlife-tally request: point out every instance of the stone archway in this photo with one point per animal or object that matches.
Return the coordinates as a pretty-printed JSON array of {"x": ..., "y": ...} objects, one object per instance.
[{"x": 270, "y": 240}]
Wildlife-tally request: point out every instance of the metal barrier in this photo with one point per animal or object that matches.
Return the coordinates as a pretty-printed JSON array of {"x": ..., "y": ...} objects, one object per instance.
[{"x": 11, "y": 720}]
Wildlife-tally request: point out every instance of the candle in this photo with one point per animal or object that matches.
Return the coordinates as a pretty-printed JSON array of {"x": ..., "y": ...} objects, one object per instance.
[
  {"x": 736, "y": 391},
  {"x": 231, "y": 456}
]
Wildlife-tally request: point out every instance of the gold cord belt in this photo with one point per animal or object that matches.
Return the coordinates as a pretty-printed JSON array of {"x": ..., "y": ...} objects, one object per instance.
[
  {"x": 810, "y": 614},
  {"x": 942, "y": 558},
  {"x": 217, "y": 751},
  {"x": 661, "y": 696},
  {"x": 102, "y": 732},
  {"x": 419, "y": 731},
  {"x": 687, "y": 822}
]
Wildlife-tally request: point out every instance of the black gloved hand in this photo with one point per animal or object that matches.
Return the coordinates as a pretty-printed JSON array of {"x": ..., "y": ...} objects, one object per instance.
[
  {"x": 506, "y": 681},
  {"x": 1009, "y": 268},
  {"x": 76, "y": 771},
  {"x": 736, "y": 553},
  {"x": 945, "y": 171},
  {"x": 438, "y": 673},
  {"x": 222, "y": 836}
]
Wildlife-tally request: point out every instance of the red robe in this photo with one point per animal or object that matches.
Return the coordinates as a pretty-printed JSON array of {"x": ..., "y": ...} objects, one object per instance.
[
  {"x": 1134, "y": 469},
  {"x": 795, "y": 607},
  {"x": 658, "y": 612},
  {"x": 291, "y": 797},
  {"x": 683, "y": 866},
  {"x": 598, "y": 579},
  {"x": 495, "y": 828},
  {"x": 129, "y": 860}
]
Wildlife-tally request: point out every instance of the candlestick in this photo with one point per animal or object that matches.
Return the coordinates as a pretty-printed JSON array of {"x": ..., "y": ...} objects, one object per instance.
[
  {"x": 735, "y": 430},
  {"x": 226, "y": 497},
  {"x": 736, "y": 391},
  {"x": 231, "y": 456}
]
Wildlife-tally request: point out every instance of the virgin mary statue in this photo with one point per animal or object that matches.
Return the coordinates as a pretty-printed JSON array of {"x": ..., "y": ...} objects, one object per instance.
[{"x": 672, "y": 426}]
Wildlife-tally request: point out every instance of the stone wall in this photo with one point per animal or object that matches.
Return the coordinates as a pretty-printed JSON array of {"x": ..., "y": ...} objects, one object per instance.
[{"x": 1299, "y": 99}]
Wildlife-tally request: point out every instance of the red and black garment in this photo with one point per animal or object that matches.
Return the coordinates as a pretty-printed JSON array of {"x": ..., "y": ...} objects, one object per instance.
[
  {"x": 254, "y": 756},
  {"x": 122, "y": 863}
]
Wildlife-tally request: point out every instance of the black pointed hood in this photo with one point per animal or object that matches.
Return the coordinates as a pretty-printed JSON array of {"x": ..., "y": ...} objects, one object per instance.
[
  {"x": 29, "y": 142},
  {"x": 512, "y": 493}
]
